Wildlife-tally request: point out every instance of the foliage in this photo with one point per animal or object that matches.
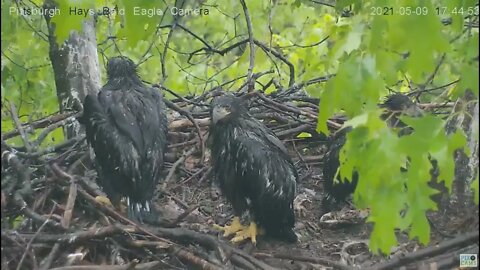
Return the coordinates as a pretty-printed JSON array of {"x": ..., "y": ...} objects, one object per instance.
[
  {"x": 368, "y": 51},
  {"x": 389, "y": 50},
  {"x": 27, "y": 77}
]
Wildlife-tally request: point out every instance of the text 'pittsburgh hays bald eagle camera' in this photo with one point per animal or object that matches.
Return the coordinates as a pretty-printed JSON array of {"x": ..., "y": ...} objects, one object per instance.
[
  {"x": 126, "y": 126},
  {"x": 253, "y": 170}
]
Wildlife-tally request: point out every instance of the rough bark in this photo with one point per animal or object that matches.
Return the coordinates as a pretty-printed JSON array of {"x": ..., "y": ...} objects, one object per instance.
[
  {"x": 465, "y": 166},
  {"x": 76, "y": 68}
]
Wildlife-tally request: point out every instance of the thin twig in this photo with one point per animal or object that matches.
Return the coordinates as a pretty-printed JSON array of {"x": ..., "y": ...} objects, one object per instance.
[
  {"x": 195, "y": 124},
  {"x": 32, "y": 239},
  {"x": 18, "y": 124},
  {"x": 174, "y": 167},
  {"x": 250, "y": 83},
  {"x": 459, "y": 241},
  {"x": 316, "y": 260}
]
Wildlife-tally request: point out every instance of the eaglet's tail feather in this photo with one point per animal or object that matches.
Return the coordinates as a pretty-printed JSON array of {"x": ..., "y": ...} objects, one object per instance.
[{"x": 142, "y": 212}]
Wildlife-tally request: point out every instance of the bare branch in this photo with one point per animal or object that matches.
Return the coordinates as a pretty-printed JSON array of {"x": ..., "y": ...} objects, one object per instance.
[{"x": 250, "y": 83}]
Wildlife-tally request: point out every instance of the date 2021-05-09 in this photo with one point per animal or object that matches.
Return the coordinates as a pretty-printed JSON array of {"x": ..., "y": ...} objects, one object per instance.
[{"x": 423, "y": 11}]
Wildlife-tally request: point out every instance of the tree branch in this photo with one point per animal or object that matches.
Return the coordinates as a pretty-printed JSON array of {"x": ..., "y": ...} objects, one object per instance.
[{"x": 250, "y": 83}]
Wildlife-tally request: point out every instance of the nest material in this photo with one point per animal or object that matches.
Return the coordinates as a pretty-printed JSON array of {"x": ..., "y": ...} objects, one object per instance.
[{"x": 51, "y": 219}]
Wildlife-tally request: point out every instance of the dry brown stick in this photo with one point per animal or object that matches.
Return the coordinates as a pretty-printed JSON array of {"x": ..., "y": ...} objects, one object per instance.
[
  {"x": 41, "y": 137},
  {"x": 150, "y": 244},
  {"x": 78, "y": 162},
  {"x": 451, "y": 259},
  {"x": 195, "y": 174},
  {"x": 293, "y": 131},
  {"x": 179, "y": 201},
  {"x": 72, "y": 195},
  {"x": 295, "y": 110},
  {"x": 183, "y": 215},
  {"x": 41, "y": 123},
  {"x": 257, "y": 263},
  {"x": 55, "y": 148},
  {"x": 178, "y": 135},
  {"x": 272, "y": 116},
  {"x": 445, "y": 246},
  {"x": 182, "y": 144},
  {"x": 195, "y": 124},
  {"x": 300, "y": 156},
  {"x": 286, "y": 108},
  {"x": 79, "y": 236},
  {"x": 103, "y": 208},
  {"x": 20, "y": 202},
  {"x": 312, "y": 158},
  {"x": 174, "y": 167},
  {"x": 130, "y": 266},
  {"x": 192, "y": 259},
  {"x": 47, "y": 262},
  {"x": 210, "y": 242},
  {"x": 436, "y": 105},
  {"x": 11, "y": 238},
  {"x": 185, "y": 123},
  {"x": 188, "y": 236},
  {"x": 205, "y": 175},
  {"x": 18, "y": 124},
  {"x": 250, "y": 83},
  {"x": 315, "y": 260},
  {"x": 22, "y": 171},
  {"x": 282, "y": 58},
  {"x": 241, "y": 262},
  {"x": 29, "y": 244}
]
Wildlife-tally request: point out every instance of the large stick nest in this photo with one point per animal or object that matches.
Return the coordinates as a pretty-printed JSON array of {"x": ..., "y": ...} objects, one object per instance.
[{"x": 50, "y": 219}]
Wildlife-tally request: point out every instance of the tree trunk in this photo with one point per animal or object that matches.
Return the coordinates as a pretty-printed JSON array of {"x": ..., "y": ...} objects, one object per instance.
[
  {"x": 465, "y": 167},
  {"x": 76, "y": 68}
]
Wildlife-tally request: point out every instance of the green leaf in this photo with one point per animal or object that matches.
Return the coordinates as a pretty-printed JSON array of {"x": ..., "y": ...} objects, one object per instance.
[
  {"x": 304, "y": 135},
  {"x": 420, "y": 228},
  {"x": 475, "y": 188},
  {"x": 141, "y": 19},
  {"x": 72, "y": 14}
]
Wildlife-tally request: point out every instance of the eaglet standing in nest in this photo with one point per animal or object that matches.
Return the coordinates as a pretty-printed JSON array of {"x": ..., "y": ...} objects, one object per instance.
[
  {"x": 126, "y": 126},
  {"x": 254, "y": 172},
  {"x": 338, "y": 188}
]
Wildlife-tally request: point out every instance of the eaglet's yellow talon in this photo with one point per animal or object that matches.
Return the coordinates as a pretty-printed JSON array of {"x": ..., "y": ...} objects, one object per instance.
[
  {"x": 103, "y": 200},
  {"x": 230, "y": 229},
  {"x": 249, "y": 232}
]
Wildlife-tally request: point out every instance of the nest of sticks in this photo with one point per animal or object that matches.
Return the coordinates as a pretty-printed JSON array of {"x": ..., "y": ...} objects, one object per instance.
[{"x": 51, "y": 220}]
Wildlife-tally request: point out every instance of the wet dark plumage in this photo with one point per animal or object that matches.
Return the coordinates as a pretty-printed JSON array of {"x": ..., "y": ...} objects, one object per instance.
[
  {"x": 339, "y": 191},
  {"x": 394, "y": 105},
  {"x": 253, "y": 168},
  {"x": 126, "y": 126}
]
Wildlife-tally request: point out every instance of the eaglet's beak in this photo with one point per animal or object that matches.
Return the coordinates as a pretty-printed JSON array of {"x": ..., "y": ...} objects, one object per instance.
[{"x": 219, "y": 113}]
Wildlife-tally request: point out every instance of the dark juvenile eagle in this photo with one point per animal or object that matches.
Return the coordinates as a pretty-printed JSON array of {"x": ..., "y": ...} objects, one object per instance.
[
  {"x": 394, "y": 105},
  {"x": 253, "y": 170},
  {"x": 126, "y": 126}
]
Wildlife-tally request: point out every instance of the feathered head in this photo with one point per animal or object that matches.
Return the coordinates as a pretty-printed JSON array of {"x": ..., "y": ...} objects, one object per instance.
[
  {"x": 401, "y": 103},
  {"x": 121, "y": 66},
  {"x": 227, "y": 107}
]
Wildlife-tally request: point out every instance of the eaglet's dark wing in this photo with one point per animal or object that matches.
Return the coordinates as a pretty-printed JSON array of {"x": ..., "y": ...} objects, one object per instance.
[
  {"x": 267, "y": 164},
  {"x": 121, "y": 114},
  {"x": 266, "y": 135},
  {"x": 153, "y": 123},
  {"x": 113, "y": 150}
]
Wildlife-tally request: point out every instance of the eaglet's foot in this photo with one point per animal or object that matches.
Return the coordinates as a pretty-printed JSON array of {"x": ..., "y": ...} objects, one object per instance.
[
  {"x": 234, "y": 227},
  {"x": 104, "y": 200},
  {"x": 251, "y": 232}
]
